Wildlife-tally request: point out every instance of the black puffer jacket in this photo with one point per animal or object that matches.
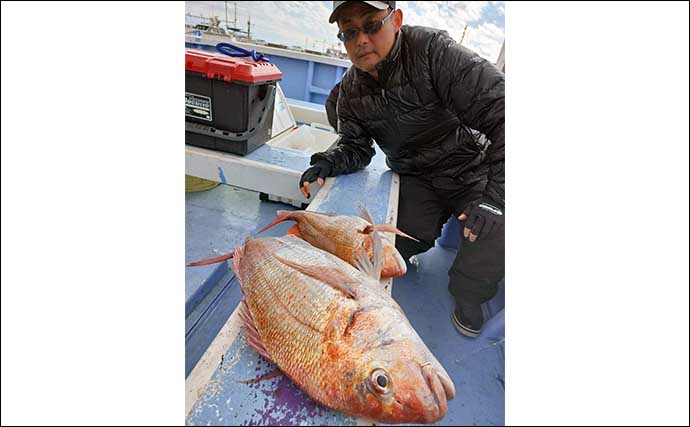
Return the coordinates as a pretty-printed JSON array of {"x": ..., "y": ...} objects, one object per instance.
[{"x": 430, "y": 95}]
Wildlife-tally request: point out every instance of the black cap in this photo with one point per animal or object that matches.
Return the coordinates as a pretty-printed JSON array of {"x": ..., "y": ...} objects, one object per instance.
[{"x": 381, "y": 5}]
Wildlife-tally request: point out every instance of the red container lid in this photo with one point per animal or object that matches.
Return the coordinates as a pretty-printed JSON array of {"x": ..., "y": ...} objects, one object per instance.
[{"x": 228, "y": 68}]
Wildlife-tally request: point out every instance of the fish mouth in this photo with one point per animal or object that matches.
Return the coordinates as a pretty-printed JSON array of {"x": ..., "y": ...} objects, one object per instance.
[{"x": 442, "y": 389}]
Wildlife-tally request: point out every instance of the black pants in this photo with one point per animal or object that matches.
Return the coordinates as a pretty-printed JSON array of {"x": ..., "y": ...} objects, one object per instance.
[{"x": 425, "y": 204}]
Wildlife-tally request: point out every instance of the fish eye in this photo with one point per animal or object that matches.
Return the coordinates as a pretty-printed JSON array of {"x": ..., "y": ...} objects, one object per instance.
[{"x": 380, "y": 381}]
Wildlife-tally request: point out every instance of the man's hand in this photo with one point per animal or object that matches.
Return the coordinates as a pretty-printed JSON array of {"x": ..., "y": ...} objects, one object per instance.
[
  {"x": 482, "y": 217},
  {"x": 319, "y": 172}
]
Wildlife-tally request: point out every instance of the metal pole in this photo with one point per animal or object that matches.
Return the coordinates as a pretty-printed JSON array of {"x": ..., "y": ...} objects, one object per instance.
[{"x": 463, "y": 34}]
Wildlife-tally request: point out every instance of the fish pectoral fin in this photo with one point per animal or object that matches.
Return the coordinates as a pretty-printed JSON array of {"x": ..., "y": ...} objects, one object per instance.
[
  {"x": 371, "y": 267},
  {"x": 250, "y": 331},
  {"x": 386, "y": 228},
  {"x": 333, "y": 277}
]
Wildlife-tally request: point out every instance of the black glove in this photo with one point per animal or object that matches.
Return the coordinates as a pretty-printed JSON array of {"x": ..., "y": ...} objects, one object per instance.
[
  {"x": 322, "y": 169},
  {"x": 483, "y": 217}
]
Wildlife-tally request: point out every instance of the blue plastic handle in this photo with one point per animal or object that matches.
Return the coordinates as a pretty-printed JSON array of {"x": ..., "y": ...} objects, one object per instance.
[{"x": 236, "y": 51}]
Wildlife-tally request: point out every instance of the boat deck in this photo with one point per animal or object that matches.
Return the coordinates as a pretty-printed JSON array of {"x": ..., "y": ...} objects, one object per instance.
[{"x": 218, "y": 358}]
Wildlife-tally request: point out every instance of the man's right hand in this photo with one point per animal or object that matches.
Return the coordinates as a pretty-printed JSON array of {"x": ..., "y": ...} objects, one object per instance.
[{"x": 319, "y": 172}]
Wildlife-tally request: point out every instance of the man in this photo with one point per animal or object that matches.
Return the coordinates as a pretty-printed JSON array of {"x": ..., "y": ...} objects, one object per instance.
[{"x": 420, "y": 96}]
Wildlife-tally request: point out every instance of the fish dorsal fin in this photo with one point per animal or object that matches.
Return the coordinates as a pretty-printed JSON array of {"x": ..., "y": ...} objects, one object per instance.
[
  {"x": 364, "y": 213},
  {"x": 252, "y": 334},
  {"x": 331, "y": 276},
  {"x": 364, "y": 264}
]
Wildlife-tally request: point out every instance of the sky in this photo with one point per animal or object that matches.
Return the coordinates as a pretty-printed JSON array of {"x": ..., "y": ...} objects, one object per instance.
[{"x": 305, "y": 23}]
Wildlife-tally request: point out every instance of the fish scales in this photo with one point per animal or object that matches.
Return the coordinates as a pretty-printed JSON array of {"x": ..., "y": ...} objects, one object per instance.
[{"x": 291, "y": 310}]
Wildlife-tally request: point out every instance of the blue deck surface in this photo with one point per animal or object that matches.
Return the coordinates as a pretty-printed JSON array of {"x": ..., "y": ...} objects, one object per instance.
[
  {"x": 476, "y": 366},
  {"x": 217, "y": 221}
]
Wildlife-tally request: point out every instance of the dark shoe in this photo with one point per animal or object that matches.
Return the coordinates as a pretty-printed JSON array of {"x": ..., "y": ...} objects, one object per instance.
[{"x": 468, "y": 319}]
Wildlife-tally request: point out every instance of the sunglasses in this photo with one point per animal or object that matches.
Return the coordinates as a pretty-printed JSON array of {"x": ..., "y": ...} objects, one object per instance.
[{"x": 371, "y": 27}]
